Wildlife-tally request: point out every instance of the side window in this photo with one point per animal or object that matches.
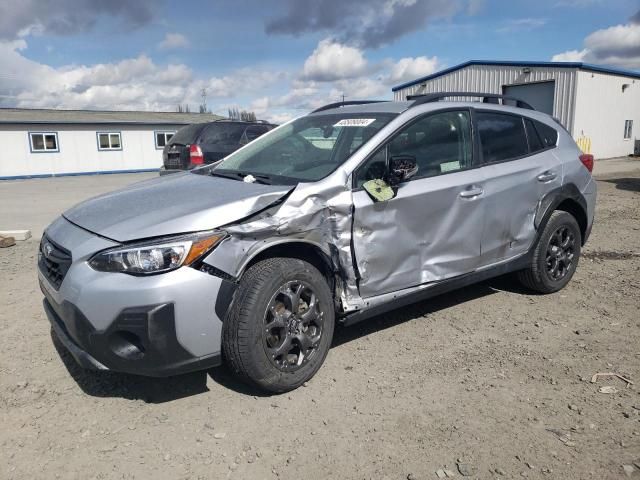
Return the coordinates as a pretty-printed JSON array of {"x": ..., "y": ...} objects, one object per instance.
[
  {"x": 548, "y": 135},
  {"x": 502, "y": 136},
  {"x": 44, "y": 142},
  {"x": 253, "y": 132},
  {"x": 441, "y": 143},
  {"x": 535, "y": 144},
  {"x": 163, "y": 138},
  {"x": 628, "y": 129},
  {"x": 109, "y": 141}
]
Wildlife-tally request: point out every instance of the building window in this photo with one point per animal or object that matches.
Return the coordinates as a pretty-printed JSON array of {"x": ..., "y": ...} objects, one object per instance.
[
  {"x": 628, "y": 129},
  {"x": 43, "y": 141},
  {"x": 109, "y": 141},
  {"x": 162, "y": 138}
]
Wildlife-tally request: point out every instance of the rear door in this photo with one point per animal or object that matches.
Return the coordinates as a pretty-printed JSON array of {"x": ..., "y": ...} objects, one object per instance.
[
  {"x": 431, "y": 229},
  {"x": 519, "y": 169}
]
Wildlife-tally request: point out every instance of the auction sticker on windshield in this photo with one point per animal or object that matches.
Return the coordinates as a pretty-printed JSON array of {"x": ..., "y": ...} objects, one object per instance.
[{"x": 355, "y": 122}]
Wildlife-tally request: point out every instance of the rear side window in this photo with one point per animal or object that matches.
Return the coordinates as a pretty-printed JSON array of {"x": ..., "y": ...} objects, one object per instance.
[
  {"x": 502, "y": 136},
  {"x": 254, "y": 132},
  {"x": 535, "y": 144},
  {"x": 548, "y": 135},
  {"x": 187, "y": 135},
  {"x": 223, "y": 133}
]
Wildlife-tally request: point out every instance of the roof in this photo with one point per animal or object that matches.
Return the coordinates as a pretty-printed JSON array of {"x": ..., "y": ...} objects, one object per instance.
[
  {"x": 53, "y": 116},
  {"x": 579, "y": 65}
]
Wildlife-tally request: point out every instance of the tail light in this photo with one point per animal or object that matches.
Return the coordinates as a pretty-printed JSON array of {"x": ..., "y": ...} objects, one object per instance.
[
  {"x": 587, "y": 161},
  {"x": 195, "y": 155}
]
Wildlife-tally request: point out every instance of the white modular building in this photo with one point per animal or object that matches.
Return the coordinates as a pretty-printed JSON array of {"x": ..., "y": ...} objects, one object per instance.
[
  {"x": 599, "y": 106},
  {"x": 42, "y": 143}
]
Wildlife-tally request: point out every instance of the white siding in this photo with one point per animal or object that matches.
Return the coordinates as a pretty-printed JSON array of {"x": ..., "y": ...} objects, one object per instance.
[
  {"x": 491, "y": 79},
  {"x": 78, "y": 150},
  {"x": 601, "y": 110}
]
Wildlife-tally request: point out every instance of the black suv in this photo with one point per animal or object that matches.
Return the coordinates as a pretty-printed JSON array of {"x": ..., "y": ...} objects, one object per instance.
[{"x": 204, "y": 143}]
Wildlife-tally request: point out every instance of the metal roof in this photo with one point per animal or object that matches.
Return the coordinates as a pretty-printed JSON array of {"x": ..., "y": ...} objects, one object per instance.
[
  {"x": 578, "y": 65},
  {"x": 52, "y": 116}
]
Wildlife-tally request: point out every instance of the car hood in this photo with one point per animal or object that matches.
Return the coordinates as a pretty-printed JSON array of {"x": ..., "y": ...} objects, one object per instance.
[{"x": 172, "y": 204}]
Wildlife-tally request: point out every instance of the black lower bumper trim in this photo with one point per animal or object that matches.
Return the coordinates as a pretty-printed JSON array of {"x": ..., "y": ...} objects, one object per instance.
[{"x": 155, "y": 352}]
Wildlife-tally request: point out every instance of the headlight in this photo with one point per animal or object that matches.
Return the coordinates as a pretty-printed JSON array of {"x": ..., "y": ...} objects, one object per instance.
[{"x": 150, "y": 258}]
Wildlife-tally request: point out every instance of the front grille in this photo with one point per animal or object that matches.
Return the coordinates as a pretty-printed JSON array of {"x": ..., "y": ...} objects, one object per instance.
[{"x": 53, "y": 261}]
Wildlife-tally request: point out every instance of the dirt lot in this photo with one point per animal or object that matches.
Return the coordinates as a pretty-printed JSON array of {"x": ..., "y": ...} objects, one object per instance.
[{"x": 491, "y": 375}]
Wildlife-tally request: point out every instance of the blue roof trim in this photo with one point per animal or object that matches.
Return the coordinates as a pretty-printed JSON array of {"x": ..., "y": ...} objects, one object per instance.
[{"x": 583, "y": 66}]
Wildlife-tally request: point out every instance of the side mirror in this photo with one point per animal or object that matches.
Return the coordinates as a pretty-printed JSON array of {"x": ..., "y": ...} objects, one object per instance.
[{"x": 401, "y": 168}]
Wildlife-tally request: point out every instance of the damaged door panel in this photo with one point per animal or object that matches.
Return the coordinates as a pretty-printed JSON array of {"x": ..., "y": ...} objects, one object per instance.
[
  {"x": 431, "y": 229},
  {"x": 428, "y": 232}
]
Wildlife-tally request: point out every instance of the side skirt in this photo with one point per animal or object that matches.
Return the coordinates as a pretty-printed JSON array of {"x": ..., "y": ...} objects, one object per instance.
[{"x": 438, "y": 289}]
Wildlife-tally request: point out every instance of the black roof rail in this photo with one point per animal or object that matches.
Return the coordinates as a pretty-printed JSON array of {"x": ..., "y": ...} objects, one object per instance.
[
  {"x": 346, "y": 103},
  {"x": 486, "y": 98}
]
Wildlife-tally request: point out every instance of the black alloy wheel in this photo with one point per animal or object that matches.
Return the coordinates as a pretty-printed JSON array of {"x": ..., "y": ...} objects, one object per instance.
[{"x": 293, "y": 325}]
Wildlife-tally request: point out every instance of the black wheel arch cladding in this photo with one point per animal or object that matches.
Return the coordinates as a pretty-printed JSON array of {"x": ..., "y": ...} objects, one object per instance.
[{"x": 567, "y": 198}]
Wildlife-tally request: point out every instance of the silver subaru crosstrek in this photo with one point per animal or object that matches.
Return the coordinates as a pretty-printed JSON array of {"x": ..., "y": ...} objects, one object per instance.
[{"x": 353, "y": 210}]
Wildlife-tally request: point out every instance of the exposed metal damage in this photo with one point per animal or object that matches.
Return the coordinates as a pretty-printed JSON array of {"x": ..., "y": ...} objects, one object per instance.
[{"x": 313, "y": 214}]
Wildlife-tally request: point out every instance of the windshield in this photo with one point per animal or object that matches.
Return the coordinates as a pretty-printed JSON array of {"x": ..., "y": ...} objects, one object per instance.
[{"x": 305, "y": 150}]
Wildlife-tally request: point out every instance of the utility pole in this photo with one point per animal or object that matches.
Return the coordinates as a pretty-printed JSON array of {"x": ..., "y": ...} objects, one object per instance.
[{"x": 203, "y": 107}]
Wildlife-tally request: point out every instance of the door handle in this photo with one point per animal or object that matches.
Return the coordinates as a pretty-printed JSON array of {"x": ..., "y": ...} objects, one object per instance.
[
  {"x": 471, "y": 192},
  {"x": 547, "y": 176}
]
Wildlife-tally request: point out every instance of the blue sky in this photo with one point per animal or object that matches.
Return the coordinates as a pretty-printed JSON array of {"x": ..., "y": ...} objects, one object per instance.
[{"x": 282, "y": 57}]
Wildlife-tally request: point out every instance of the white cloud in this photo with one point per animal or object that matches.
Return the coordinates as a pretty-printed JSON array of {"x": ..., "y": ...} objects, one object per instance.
[
  {"x": 571, "y": 56},
  {"x": 333, "y": 61},
  {"x": 139, "y": 83},
  {"x": 173, "y": 41},
  {"x": 411, "y": 68},
  {"x": 618, "y": 45},
  {"x": 130, "y": 84}
]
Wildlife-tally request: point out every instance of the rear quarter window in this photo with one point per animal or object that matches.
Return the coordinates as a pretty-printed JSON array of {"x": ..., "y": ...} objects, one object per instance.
[
  {"x": 535, "y": 143},
  {"x": 502, "y": 136},
  {"x": 187, "y": 135},
  {"x": 548, "y": 135}
]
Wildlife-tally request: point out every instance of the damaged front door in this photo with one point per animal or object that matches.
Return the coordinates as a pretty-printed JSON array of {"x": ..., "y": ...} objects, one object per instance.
[{"x": 431, "y": 229}]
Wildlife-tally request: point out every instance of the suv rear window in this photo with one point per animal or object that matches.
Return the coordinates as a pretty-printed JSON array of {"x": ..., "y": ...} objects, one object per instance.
[
  {"x": 502, "y": 136},
  {"x": 187, "y": 135}
]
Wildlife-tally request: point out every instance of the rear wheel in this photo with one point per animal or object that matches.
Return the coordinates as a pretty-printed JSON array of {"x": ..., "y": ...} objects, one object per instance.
[
  {"x": 280, "y": 326},
  {"x": 556, "y": 255}
]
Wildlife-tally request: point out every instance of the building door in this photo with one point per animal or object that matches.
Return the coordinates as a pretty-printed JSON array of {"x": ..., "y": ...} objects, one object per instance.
[{"x": 540, "y": 95}]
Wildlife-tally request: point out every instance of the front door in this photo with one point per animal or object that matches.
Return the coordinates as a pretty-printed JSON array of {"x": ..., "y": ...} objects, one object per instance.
[{"x": 431, "y": 229}]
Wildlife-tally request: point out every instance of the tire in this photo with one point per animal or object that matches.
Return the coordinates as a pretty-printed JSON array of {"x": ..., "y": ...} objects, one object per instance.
[
  {"x": 264, "y": 316},
  {"x": 540, "y": 276}
]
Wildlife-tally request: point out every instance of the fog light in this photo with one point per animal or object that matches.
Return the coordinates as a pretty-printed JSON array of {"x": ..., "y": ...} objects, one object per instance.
[{"x": 126, "y": 345}]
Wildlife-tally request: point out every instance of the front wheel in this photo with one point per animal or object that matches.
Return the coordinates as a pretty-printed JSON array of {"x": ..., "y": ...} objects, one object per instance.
[
  {"x": 555, "y": 256},
  {"x": 279, "y": 329}
]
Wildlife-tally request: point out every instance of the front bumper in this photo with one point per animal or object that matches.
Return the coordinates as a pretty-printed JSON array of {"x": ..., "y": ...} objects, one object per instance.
[
  {"x": 155, "y": 325},
  {"x": 141, "y": 341}
]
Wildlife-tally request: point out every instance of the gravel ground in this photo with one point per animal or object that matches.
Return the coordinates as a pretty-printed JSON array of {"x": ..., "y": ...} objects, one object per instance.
[{"x": 491, "y": 381}]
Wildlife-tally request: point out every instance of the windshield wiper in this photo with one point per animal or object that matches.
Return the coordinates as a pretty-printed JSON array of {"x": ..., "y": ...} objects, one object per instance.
[
  {"x": 232, "y": 176},
  {"x": 260, "y": 178}
]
